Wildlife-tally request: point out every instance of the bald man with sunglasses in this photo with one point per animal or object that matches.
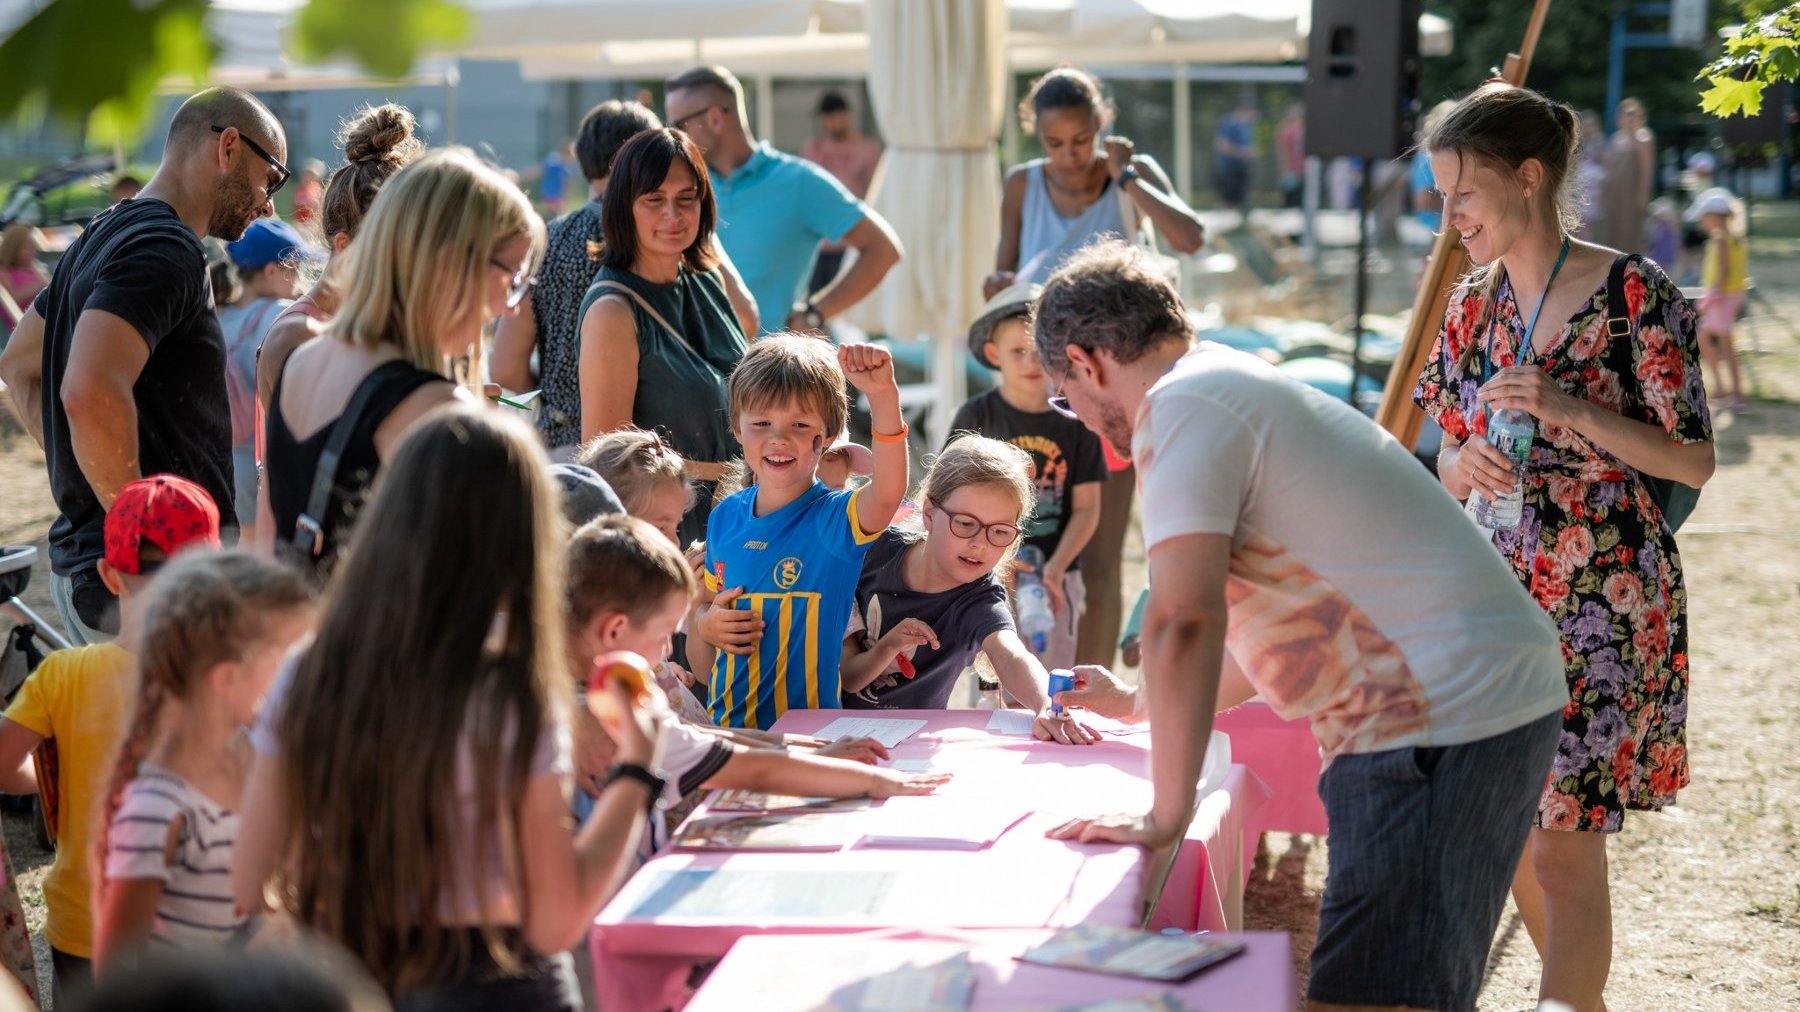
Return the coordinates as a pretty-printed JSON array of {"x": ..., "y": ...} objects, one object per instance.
[{"x": 118, "y": 367}]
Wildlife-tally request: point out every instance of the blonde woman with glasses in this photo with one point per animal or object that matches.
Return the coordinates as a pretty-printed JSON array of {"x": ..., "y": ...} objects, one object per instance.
[{"x": 448, "y": 246}]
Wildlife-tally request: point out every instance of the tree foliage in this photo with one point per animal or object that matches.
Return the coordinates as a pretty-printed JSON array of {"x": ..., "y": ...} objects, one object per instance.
[
  {"x": 1764, "y": 51},
  {"x": 100, "y": 63}
]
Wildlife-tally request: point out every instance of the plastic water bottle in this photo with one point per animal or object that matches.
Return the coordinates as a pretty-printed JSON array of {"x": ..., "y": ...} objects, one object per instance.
[
  {"x": 1510, "y": 431},
  {"x": 1035, "y": 618}
]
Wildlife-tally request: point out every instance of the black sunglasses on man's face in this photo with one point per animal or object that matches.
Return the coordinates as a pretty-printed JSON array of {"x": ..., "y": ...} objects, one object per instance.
[{"x": 281, "y": 171}]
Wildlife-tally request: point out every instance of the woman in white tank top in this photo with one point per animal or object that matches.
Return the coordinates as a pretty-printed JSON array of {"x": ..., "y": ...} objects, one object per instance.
[{"x": 1089, "y": 184}]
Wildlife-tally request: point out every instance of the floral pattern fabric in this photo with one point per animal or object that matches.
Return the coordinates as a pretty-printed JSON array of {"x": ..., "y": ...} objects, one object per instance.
[{"x": 1592, "y": 546}]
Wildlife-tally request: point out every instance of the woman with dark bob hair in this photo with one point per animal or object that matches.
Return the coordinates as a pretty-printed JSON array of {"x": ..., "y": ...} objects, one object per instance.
[{"x": 659, "y": 336}]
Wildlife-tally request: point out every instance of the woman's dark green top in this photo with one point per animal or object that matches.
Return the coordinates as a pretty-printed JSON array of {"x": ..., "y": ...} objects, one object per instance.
[{"x": 681, "y": 379}]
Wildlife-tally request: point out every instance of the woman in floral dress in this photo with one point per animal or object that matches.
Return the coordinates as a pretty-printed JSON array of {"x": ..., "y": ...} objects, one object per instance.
[{"x": 1612, "y": 403}]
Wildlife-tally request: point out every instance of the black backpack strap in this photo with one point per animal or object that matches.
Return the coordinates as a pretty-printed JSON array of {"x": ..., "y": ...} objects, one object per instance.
[
  {"x": 1618, "y": 318},
  {"x": 309, "y": 527}
]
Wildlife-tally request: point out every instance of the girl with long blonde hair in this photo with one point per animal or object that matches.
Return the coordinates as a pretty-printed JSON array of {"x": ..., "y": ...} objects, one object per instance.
[
  {"x": 450, "y": 245},
  {"x": 407, "y": 800}
]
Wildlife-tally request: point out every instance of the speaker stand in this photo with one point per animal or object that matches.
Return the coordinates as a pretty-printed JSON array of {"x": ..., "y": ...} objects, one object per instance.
[{"x": 1362, "y": 278}]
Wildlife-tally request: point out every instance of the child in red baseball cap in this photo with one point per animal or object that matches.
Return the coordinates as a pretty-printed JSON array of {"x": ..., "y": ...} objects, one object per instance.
[{"x": 77, "y": 702}]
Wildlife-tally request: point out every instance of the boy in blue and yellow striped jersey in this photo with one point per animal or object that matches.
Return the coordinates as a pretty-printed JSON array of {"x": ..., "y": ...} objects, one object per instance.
[{"x": 783, "y": 556}]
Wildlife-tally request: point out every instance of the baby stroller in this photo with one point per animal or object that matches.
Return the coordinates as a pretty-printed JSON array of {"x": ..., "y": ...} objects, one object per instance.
[{"x": 20, "y": 654}]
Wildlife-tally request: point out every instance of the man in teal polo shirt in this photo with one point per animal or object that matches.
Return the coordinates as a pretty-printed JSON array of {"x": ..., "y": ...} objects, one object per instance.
[{"x": 775, "y": 209}]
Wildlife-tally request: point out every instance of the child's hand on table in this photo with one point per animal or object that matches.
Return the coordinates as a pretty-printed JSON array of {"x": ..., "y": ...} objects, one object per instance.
[
  {"x": 1063, "y": 729},
  {"x": 857, "y": 750},
  {"x": 889, "y": 784}
]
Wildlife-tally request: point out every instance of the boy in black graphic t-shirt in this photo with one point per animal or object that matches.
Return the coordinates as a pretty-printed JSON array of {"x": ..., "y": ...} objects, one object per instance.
[{"x": 1068, "y": 462}]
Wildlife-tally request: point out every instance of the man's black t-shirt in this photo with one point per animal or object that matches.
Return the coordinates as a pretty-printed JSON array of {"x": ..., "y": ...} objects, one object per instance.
[
  {"x": 1064, "y": 454},
  {"x": 139, "y": 262},
  {"x": 963, "y": 618}
]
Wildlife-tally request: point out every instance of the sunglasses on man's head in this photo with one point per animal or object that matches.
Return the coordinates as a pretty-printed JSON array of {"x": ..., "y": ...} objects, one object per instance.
[{"x": 281, "y": 171}]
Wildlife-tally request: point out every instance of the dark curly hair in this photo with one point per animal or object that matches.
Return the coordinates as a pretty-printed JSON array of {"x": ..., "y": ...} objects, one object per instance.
[{"x": 1107, "y": 298}]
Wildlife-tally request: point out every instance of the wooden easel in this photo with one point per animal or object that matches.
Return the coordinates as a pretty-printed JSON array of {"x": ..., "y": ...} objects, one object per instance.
[{"x": 1398, "y": 414}]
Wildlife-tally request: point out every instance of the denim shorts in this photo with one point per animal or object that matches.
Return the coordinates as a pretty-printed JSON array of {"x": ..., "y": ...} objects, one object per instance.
[{"x": 1423, "y": 845}]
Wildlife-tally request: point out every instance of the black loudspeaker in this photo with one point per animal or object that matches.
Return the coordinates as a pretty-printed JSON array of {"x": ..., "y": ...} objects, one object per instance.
[{"x": 1362, "y": 78}]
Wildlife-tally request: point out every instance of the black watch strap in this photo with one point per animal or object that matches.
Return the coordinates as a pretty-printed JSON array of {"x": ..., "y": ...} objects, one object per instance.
[{"x": 643, "y": 775}]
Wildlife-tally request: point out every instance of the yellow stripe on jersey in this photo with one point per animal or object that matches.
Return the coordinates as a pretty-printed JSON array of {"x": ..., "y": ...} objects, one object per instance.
[
  {"x": 856, "y": 527},
  {"x": 724, "y": 673},
  {"x": 813, "y": 604},
  {"x": 753, "y": 685},
  {"x": 784, "y": 626}
]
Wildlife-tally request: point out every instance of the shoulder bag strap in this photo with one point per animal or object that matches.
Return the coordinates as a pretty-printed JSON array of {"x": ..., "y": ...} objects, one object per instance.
[
  {"x": 1618, "y": 318},
  {"x": 644, "y": 304},
  {"x": 309, "y": 529}
]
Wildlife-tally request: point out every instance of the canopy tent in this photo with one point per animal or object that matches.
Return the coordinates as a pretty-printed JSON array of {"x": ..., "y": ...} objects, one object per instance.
[
  {"x": 252, "y": 54},
  {"x": 938, "y": 85},
  {"x": 833, "y": 41}
]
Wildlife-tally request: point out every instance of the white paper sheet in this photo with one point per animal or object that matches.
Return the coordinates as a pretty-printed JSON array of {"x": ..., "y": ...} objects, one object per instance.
[
  {"x": 1011, "y": 722},
  {"x": 887, "y": 731}
]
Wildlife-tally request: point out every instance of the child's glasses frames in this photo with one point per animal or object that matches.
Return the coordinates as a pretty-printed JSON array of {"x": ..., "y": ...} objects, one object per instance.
[{"x": 965, "y": 526}]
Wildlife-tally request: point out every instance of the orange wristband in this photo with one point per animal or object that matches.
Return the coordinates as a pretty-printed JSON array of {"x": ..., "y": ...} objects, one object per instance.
[{"x": 898, "y": 437}]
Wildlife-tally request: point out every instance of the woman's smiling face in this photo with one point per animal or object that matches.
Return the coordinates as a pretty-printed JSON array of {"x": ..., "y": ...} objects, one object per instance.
[{"x": 1484, "y": 205}]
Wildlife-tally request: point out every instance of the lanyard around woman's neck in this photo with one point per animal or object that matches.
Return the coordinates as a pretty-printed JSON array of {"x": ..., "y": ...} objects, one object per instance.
[{"x": 1487, "y": 358}]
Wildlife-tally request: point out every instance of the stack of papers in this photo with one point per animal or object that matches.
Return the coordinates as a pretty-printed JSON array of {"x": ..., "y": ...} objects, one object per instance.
[
  {"x": 886, "y": 730},
  {"x": 766, "y": 832},
  {"x": 1167, "y": 1001},
  {"x": 733, "y": 894},
  {"x": 939, "y": 824},
  {"x": 1011, "y": 722},
  {"x": 751, "y": 801},
  {"x": 1102, "y": 948}
]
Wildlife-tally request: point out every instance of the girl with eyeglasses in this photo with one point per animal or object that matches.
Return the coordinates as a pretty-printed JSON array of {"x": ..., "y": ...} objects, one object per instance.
[
  {"x": 448, "y": 245},
  {"x": 928, "y": 603}
]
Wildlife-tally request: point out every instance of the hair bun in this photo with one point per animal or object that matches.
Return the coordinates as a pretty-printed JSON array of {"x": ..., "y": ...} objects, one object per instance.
[{"x": 381, "y": 133}]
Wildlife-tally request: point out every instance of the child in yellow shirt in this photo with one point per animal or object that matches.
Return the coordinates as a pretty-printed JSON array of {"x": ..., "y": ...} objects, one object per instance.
[{"x": 1724, "y": 278}]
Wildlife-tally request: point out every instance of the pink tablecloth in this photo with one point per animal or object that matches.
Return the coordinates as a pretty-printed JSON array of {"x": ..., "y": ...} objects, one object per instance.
[
  {"x": 786, "y": 973},
  {"x": 1285, "y": 756},
  {"x": 642, "y": 957}
]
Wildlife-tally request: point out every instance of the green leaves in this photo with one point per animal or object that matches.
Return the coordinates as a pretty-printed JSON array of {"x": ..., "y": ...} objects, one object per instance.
[
  {"x": 384, "y": 36},
  {"x": 99, "y": 63},
  {"x": 1728, "y": 97},
  {"x": 1765, "y": 51}
]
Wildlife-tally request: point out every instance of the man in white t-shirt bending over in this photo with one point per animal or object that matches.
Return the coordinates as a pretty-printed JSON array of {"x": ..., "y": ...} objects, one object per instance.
[{"x": 1298, "y": 551}]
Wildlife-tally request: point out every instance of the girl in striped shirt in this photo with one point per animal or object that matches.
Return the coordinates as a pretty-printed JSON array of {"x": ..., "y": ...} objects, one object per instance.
[{"x": 215, "y": 629}]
